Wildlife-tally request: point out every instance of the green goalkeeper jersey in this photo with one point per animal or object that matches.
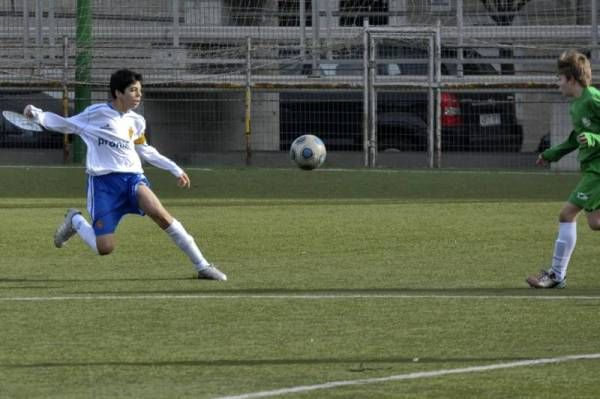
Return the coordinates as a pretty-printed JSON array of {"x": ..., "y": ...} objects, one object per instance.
[{"x": 585, "y": 116}]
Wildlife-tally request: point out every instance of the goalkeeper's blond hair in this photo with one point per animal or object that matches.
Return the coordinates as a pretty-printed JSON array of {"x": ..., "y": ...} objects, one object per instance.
[{"x": 575, "y": 65}]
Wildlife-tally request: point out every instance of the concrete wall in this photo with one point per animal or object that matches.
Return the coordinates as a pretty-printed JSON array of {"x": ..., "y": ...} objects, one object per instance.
[
  {"x": 265, "y": 121},
  {"x": 534, "y": 113},
  {"x": 561, "y": 126},
  {"x": 181, "y": 124}
]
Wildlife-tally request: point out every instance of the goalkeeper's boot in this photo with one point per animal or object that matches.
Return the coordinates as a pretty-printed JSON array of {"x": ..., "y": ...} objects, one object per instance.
[
  {"x": 66, "y": 229},
  {"x": 211, "y": 272},
  {"x": 546, "y": 279}
]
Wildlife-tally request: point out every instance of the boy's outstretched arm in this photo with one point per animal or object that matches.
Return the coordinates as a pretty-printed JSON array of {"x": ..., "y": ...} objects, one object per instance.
[
  {"x": 556, "y": 152},
  {"x": 51, "y": 121}
]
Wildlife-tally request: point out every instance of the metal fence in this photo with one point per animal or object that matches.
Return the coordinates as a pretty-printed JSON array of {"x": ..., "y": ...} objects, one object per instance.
[{"x": 397, "y": 83}]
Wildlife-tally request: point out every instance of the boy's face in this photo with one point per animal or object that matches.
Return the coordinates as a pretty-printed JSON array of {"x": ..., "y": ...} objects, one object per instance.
[
  {"x": 567, "y": 86},
  {"x": 132, "y": 96}
]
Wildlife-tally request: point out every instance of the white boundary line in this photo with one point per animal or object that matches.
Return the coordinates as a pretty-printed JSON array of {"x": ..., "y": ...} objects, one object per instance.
[
  {"x": 331, "y": 296},
  {"x": 413, "y": 376}
]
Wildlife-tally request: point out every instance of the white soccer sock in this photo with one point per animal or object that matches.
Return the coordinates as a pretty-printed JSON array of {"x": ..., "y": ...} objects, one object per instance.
[
  {"x": 85, "y": 231},
  {"x": 186, "y": 243},
  {"x": 563, "y": 248}
]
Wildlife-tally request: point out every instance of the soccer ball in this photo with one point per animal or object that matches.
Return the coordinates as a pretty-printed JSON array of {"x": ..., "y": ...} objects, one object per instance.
[{"x": 308, "y": 152}]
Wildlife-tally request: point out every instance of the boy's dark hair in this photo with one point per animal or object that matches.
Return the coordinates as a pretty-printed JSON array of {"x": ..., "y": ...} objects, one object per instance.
[
  {"x": 121, "y": 79},
  {"x": 575, "y": 65}
]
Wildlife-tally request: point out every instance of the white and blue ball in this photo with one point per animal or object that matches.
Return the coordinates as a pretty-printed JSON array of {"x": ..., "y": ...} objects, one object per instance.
[{"x": 308, "y": 152}]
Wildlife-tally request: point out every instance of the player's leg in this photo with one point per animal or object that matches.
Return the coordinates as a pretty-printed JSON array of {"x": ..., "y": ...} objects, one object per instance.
[
  {"x": 85, "y": 231},
  {"x": 106, "y": 243},
  {"x": 565, "y": 240},
  {"x": 564, "y": 246},
  {"x": 66, "y": 229},
  {"x": 151, "y": 205},
  {"x": 75, "y": 223},
  {"x": 593, "y": 219},
  {"x": 585, "y": 196}
]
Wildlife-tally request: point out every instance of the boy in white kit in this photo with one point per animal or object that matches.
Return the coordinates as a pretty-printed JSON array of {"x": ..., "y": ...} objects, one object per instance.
[{"x": 114, "y": 136}]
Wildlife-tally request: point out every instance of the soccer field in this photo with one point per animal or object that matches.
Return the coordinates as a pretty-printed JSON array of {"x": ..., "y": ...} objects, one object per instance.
[{"x": 342, "y": 284}]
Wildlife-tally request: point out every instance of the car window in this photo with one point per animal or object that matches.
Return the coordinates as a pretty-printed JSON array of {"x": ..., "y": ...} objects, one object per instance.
[
  {"x": 479, "y": 69},
  {"x": 396, "y": 61},
  {"x": 418, "y": 62},
  {"x": 403, "y": 69}
]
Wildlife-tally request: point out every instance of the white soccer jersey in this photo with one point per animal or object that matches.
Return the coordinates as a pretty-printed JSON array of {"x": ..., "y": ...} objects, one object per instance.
[{"x": 115, "y": 141}]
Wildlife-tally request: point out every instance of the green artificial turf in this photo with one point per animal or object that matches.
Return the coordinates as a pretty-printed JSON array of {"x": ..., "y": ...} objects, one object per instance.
[{"x": 333, "y": 276}]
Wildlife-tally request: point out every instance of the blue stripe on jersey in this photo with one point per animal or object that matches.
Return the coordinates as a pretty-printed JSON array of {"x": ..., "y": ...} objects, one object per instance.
[{"x": 90, "y": 195}]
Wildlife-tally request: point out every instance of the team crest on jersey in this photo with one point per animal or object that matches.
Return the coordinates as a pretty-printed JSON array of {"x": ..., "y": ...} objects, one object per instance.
[
  {"x": 586, "y": 122},
  {"x": 582, "y": 196},
  {"x": 130, "y": 132}
]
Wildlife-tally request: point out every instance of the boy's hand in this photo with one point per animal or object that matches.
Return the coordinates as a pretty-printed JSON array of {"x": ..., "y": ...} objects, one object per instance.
[
  {"x": 184, "y": 181},
  {"x": 582, "y": 139},
  {"x": 27, "y": 111},
  {"x": 541, "y": 161}
]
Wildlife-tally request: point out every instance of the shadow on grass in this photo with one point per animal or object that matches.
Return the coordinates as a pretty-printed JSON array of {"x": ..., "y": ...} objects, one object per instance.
[
  {"x": 374, "y": 291},
  {"x": 96, "y": 280},
  {"x": 215, "y": 289},
  {"x": 210, "y": 288},
  {"x": 355, "y": 364},
  {"x": 7, "y": 284}
]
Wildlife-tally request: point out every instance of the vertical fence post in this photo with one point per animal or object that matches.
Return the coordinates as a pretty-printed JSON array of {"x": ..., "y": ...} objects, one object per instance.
[
  {"x": 329, "y": 20},
  {"x": 65, "y": 97},
  {"x": 365, "y": 119},
  {"x": 594, "y": 29},
  {"x": 372, "y": 104},
  {"x": 176, "y": 30},
  {"x": 176, "y": 56},
  {"x": 51, "y": 29},
  {"x": 438, "y": 94},
  {"x": 431, "y": 106},
  {"x": 25, "y": 31},
  {"x": 248, "y": 103},
  {"x": 38, "y": 34},
  {"x": 460, "y": 32},
  {"x": 302, "y": 11},
  {"x": 315, "y": 38},
  {"x": 83, "y": 60}
]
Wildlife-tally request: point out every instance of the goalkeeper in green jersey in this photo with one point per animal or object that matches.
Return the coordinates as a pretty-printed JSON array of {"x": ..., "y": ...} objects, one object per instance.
[{"x": 575, "y": 76}]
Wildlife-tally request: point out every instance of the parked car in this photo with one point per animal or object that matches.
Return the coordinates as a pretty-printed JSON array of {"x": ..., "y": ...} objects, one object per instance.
[
  {"x": 478, "y": 121},
  {"x": 14, "y": 137}
]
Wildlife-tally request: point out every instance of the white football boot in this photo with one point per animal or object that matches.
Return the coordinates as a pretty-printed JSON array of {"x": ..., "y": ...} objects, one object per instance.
[
  {"x": 210, "y": 272},
  {"x": 546, "y": 279},
  {"x": 66, "y": 229}
]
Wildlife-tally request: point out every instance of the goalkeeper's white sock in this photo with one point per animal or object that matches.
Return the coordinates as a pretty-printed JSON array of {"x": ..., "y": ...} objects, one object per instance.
[
  {"x": 186, "y": 243},
  {"x": 85, "y": 231},
  {"x": 563, "y": 248}
]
